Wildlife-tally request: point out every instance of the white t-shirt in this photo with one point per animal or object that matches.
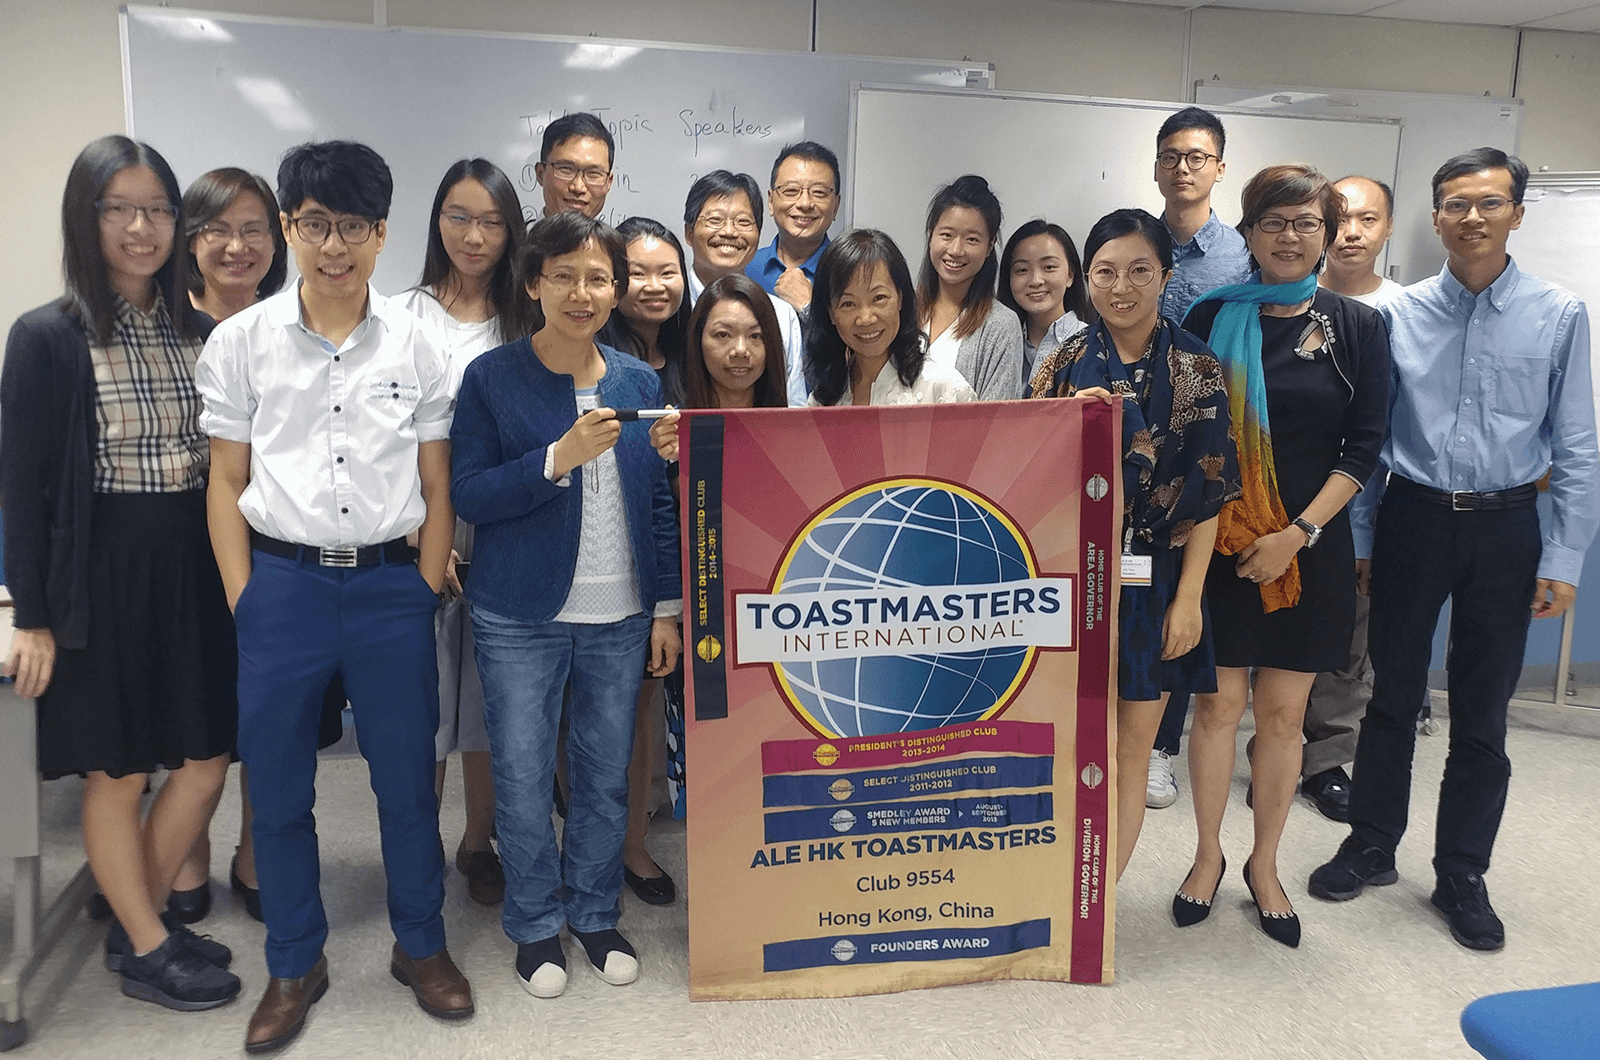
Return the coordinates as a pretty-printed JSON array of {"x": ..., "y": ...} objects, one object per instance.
[
  {"x": 1387, "y": 289},
  {"x": 463, "y": 341},
  {"x": 939, "y": 384},
  {"x": 943, "y": 350}
]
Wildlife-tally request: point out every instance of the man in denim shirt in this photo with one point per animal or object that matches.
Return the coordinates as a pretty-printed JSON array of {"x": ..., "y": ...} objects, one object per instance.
[{"x": 1206, "y": 254}]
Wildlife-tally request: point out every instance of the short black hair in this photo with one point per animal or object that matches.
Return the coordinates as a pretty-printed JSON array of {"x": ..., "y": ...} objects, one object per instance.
[
  {"x": 1130, "y": 222},
  {"x": 89, "y": 295},
  {"x": 345, "y": 176},
  {"x": 718, "y": 184},
  {"x": 1388, "y": 192},
  {"x": 809, "y": 149},
  {"x": 574, "y": 127},
  {"x": 563, "y": 233},
  {"x": 214, "y": 193},
  {"x": 1476, "y": 162},
  {"x": 1194, "y": 118}
]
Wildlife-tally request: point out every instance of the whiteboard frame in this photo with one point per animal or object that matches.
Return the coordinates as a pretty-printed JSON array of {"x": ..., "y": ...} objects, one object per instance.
[
  {"x": 983, "y": 71},
  {"x": 1165, "y": 106}
]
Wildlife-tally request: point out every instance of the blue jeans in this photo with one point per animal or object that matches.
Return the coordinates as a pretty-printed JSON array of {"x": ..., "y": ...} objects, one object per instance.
[
  {"x": 299, "y": 625},
  {"x": 525, "y": 666}
]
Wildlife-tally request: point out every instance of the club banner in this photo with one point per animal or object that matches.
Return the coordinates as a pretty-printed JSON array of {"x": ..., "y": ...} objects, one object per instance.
[{"x": 900, "y": 632}]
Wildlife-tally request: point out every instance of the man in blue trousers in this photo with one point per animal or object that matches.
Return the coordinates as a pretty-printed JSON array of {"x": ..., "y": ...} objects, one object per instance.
[{"x": 329, "y": 415}]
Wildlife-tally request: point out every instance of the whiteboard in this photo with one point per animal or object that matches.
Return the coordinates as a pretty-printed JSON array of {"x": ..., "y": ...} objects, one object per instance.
[
  {"x": 1068, "y": 159},
  {"x": 209, "y": 89},
  {"x": 1559, "y": 240},
  {"x": 1437, "y": 127}
]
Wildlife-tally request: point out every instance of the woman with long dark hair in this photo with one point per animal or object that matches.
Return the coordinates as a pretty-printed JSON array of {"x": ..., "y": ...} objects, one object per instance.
[
  {"x": 956, "y": 291},
  {"x": 652, "y": 317},
  {"x": 1041, "y": 280},
  {"x": 866, "y": 345},
  {"x": 470, "y": 295},
  {"x": 123, "y": 633}
]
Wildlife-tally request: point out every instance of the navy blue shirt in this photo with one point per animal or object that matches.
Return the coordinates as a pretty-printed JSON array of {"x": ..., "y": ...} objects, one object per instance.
[{"x": 766, "y": 266}]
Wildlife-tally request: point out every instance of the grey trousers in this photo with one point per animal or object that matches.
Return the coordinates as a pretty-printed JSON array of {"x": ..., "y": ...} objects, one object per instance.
[{"x": 1338, "y": 702}]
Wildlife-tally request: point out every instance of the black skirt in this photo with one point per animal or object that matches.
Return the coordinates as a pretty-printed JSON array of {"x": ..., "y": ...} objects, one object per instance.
[{"x": 157, "y": 683}]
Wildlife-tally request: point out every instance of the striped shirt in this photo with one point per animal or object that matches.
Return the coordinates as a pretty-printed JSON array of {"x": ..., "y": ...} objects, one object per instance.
[{"x": 146, "y": 406}]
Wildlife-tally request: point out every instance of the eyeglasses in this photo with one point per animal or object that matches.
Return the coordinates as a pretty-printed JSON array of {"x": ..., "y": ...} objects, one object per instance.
[
  {"x": 1140, "y": 274},
  {"x": 1193, "y": 159},
  {"x": 716, "y": 222},
  {"x": 1303, "y": 225},
  {"x": 218, "y": 234},
  {"x": 567, "y": 281},
  {"x": 353, "y": 231},
  {"x": 566, "y": 173},
  {"x": 489, "y": 225},
  {"x": 121, "y": 214},
  {"x": 792, "y": 193},
  {"x": 1489, "y": 207}
]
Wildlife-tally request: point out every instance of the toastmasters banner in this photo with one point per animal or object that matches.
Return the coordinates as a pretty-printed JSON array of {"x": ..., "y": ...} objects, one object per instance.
[{"x": 900, "y": 629}]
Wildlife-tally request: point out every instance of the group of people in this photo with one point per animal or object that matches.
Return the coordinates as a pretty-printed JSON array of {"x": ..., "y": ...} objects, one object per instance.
[{"x": 230, "y": 507}]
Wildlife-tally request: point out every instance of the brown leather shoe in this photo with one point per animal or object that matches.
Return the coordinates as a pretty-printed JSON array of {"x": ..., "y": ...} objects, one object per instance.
[
  {"x": 486, "y": 880},
  {"x": 282, "y": 1012},
  {"x": 440, "y": 987}
]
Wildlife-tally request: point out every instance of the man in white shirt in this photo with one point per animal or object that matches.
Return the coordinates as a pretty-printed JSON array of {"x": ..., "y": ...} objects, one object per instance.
[
  {"x": 576, "y": 154},
  {"x": 1365, "y": 226},
  {"x": 329, "y": 414},
  {"x": 722, "y": 226}
]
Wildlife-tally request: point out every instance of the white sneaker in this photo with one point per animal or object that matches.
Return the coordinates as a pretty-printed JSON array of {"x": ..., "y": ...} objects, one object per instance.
[
  {"x": 1161, "y": 789},
  {"x": 541, "y": 968}
]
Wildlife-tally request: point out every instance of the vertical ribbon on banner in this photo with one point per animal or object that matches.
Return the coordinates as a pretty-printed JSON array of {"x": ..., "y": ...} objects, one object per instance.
[
  {"x": 1099, "y": 523},
  {"x": 703, "y": 596}
]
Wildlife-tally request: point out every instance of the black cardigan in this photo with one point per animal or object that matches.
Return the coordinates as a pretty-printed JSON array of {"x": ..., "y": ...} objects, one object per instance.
[
  {"x": 1361, "y": 356},
  {"x": 47, "y": 437}
]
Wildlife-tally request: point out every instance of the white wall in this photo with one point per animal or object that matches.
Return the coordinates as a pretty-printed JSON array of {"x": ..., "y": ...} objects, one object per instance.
[{"x": 61, "y": 78}]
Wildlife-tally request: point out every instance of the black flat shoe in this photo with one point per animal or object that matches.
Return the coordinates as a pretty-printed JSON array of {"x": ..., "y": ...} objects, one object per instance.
[
  {"x": 1280, "y": 927},
  {"x": 1189, "y": 911},
  {"x": 656, "y": 890},
  {"x": 251, "y": 895},
  {"x": 190, "y": 907}
]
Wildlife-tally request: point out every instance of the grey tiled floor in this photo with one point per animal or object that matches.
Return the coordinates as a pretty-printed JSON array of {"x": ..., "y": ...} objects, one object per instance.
[{"x": 1375, "y": 978}]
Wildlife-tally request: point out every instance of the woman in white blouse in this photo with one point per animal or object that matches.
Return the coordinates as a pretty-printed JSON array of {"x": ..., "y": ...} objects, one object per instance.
[{"x": 869, "y": 348}]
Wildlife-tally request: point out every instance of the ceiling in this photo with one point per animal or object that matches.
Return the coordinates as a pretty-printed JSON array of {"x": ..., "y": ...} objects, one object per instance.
[{"x": 1524, "y": 14}]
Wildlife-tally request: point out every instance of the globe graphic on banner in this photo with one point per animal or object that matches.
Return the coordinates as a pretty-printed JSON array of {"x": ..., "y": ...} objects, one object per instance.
[{"x": 900, "y": 535}]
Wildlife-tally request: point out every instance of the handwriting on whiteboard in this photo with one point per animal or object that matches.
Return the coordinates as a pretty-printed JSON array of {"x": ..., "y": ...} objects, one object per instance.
[{"x": 696, "y": 128}]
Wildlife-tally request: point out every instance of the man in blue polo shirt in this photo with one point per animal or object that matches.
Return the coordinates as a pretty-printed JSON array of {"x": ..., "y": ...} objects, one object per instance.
[{"x": 804, "y": 199}]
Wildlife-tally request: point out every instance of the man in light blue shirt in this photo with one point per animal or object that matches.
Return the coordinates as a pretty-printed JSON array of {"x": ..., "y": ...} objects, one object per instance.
[
  {"x": 1206, "y": 254},
  {"x": 1492, "y": 388}
]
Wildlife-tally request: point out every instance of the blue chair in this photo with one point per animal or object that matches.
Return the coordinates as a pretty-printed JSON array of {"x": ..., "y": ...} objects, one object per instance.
[{"x": 1558, "y": 1023}]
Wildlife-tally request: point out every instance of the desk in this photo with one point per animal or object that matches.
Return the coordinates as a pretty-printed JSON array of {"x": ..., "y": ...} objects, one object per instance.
[{"x": 35, "y": 930}]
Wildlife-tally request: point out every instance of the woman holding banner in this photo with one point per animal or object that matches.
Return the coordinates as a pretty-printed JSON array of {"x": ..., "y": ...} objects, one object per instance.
[
  {"x": 1179, "y": 468},
  {"x": 869, "y": 347},
  {"x": 1282, "y": 585}
]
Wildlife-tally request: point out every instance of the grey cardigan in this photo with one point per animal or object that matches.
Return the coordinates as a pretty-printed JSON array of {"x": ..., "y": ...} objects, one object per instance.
[{"x": 991, "y": 357}]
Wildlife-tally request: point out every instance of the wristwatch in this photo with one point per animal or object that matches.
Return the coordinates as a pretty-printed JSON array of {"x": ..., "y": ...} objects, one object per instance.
[{"x": 1313, "y": 531}]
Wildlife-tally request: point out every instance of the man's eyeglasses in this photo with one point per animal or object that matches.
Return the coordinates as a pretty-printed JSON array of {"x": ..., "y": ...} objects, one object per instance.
[
  {"x": 1192, "y": 159},
  {"x": 353, "y": 231}
]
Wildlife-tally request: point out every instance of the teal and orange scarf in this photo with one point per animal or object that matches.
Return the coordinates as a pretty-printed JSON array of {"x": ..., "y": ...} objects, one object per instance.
[{"x": 1236, "y": 340}]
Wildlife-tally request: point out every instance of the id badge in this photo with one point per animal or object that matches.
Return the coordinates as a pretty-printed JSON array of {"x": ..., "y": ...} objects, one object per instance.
[{"x": 1137, "y": 570}]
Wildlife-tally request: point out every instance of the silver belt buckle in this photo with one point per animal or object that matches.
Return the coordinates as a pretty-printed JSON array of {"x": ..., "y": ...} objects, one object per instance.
[
  {"x": 337, "y": 557},
  {"x": 1455, "y": 501}
]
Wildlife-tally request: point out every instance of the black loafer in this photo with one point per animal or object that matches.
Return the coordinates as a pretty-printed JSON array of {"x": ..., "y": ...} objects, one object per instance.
[
  {"x": 251, "y": 895},
  {"x": 656, "y": 890},
  {"x": 190, "y": 907},
  {"x": 1329, "y": 791}
]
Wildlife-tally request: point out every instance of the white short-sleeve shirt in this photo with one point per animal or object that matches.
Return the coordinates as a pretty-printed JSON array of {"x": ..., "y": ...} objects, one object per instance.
[
  {"x": 333, "y": 432},
  {"x": 462, "y": 340}
]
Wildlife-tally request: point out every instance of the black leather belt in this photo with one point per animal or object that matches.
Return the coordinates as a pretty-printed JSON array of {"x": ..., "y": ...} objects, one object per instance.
[
  {"x": 396, "y": 551},
  {"x": 1467, "y": 501}
]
